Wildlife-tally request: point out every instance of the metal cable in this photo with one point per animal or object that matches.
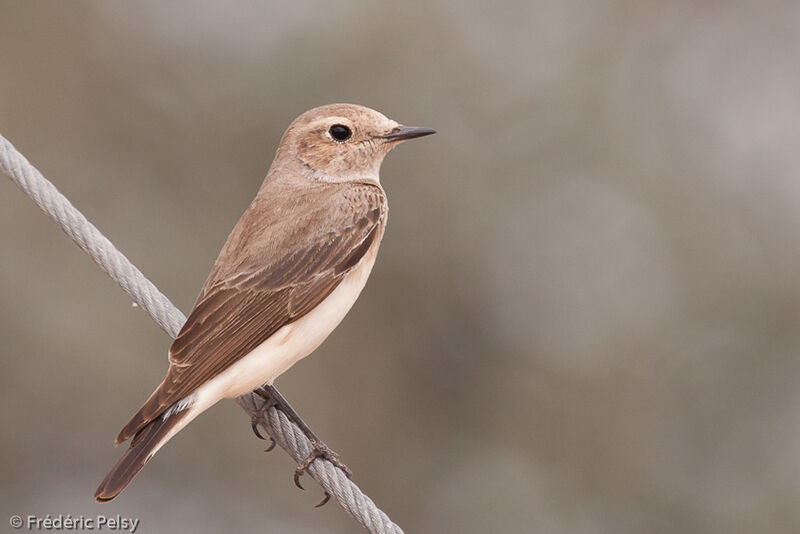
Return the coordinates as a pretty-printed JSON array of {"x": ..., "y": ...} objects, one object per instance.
[{"x": 170, "y": 319}]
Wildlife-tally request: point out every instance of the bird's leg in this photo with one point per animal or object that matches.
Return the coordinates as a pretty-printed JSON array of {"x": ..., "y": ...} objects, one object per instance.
[{"x": 320, "y": 449}]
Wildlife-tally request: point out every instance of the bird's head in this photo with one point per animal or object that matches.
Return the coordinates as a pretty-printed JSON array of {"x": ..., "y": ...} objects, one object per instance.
[{"x": 340, "y": 142}]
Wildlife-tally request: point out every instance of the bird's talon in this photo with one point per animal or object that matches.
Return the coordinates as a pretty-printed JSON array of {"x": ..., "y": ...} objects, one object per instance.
[
  {"x": 324, "y": 500},
  {"x": 254, "y": 425},
  {"x": 269, "y": 402},
  {"x": 297, "y": 474},
  {"x": 271, "y": 445}
]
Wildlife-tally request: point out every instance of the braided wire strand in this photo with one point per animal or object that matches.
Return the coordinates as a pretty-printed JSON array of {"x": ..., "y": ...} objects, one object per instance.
[{"x": 290, "y": 438}]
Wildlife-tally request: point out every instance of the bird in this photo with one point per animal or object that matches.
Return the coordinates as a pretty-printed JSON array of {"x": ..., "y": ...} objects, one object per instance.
[{"x": 290, "y": 270}]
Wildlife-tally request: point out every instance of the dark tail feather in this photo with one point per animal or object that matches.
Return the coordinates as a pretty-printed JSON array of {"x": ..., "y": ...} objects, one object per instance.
[
  {"x": 150, "y": 410},
  {"x": 142, "y": 448}
]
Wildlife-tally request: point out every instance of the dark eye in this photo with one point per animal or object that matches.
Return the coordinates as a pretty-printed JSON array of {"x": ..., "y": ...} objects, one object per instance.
[{"x": 340, "y": 132}]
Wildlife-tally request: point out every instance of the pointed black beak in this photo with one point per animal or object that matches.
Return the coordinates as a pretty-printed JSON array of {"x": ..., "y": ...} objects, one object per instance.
[{"x": 401, "y": 133}]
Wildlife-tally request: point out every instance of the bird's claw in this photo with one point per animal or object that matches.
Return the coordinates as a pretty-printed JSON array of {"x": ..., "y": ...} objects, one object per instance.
[
  {"x": 320, "y": 451},
  {"x": 272, "y": 398},
  {"x": 254, "y": 426},
  {"x": 269, "y": 402},
  {"x": 324, "y": 500},
  {"x": 297, "y": 474}
]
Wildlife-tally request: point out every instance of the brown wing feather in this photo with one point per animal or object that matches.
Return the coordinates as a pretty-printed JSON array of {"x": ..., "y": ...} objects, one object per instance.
[{"x": 237, "y": 312}]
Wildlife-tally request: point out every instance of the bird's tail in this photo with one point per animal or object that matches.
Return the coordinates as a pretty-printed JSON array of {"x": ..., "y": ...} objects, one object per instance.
[{"x": 143, "y": 446}]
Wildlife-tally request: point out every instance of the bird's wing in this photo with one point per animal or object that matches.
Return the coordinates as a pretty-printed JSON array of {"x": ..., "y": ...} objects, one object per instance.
[{"x": 235, "y": 313}]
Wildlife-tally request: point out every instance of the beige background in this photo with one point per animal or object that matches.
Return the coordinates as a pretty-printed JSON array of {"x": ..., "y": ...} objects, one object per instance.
[{"x": 584, "y": 317}]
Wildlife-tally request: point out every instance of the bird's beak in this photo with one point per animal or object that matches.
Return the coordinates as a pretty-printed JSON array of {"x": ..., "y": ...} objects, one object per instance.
[{"x": 401, "y": 133}]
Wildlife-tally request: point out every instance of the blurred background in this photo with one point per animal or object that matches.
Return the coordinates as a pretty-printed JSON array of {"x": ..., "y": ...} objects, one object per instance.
[{"x": 584, "y": 317}]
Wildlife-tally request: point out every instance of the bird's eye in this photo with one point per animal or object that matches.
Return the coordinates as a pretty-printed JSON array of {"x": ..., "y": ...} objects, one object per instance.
[{"x": 340, "y": 132}]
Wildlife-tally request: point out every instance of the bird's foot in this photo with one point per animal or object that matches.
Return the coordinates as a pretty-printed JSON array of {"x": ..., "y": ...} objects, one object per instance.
[
  {"x": 274, "y": 398},
  {"x": 320, "y": 451},
  {"x": 261, "y": 415}
]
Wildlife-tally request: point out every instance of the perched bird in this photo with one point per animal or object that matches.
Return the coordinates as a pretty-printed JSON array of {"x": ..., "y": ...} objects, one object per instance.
[{"x": 290, "y": 270}]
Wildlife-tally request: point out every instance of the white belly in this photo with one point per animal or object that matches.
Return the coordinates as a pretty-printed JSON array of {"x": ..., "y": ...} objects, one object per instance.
[
  {"x": 289, "y": 344},
  {"x": 282, "y": 350}
]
